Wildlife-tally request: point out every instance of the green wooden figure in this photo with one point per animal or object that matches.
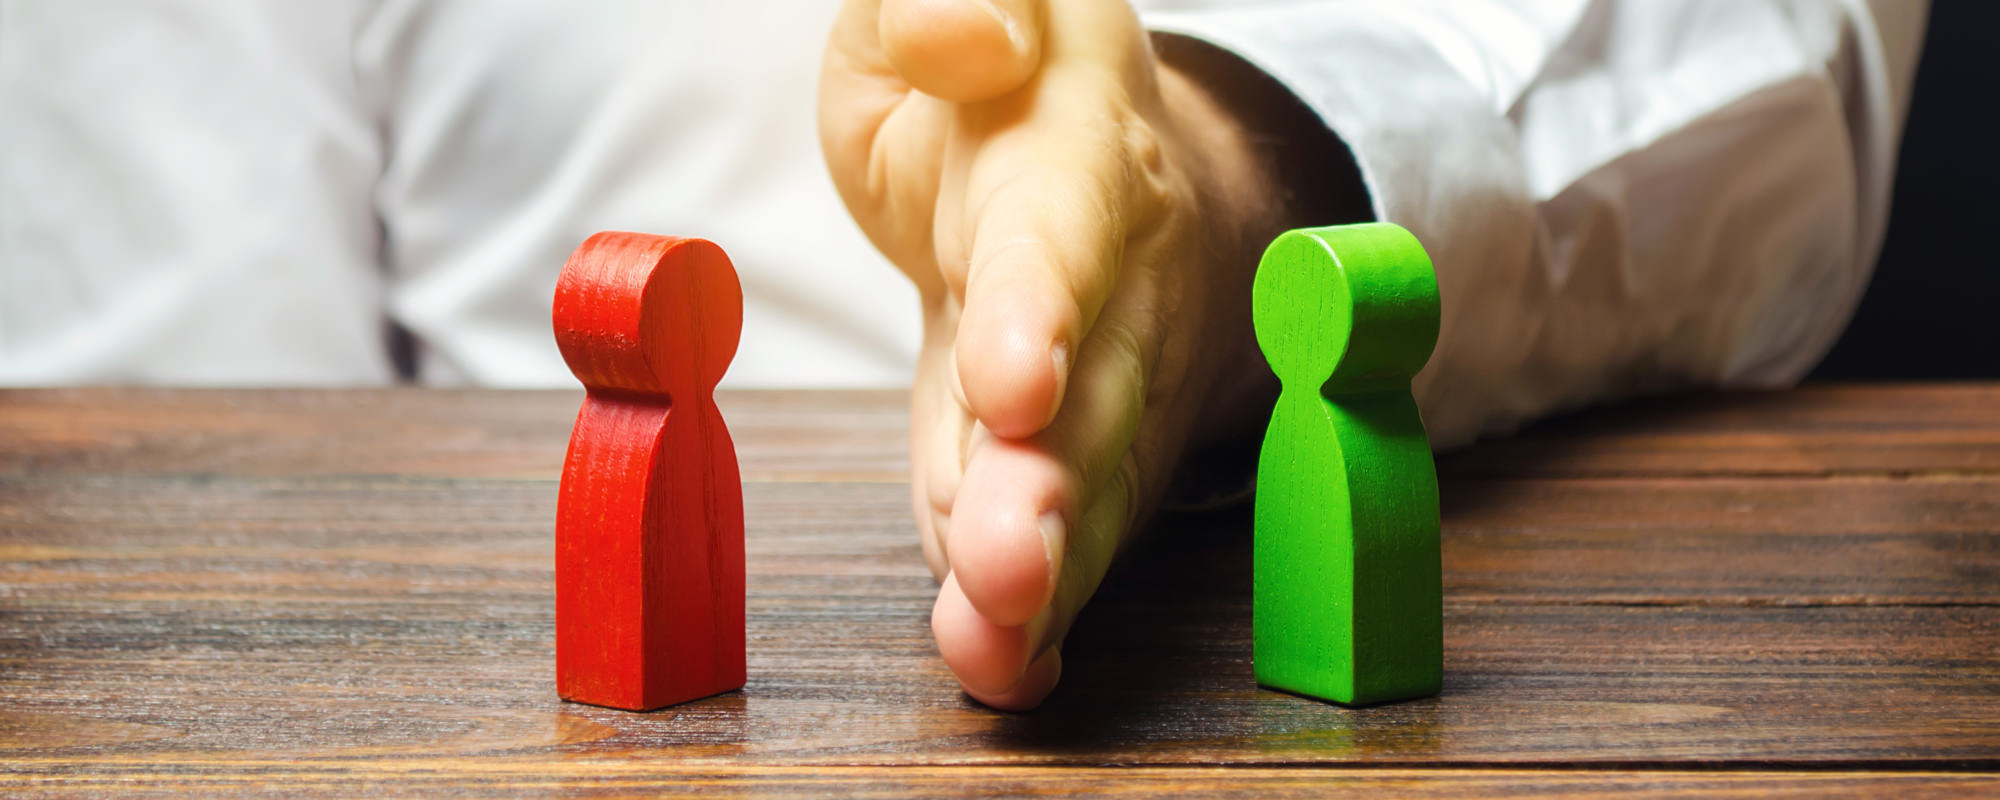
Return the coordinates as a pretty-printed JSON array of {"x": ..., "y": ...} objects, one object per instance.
[{"x": 1349, "y": 599}]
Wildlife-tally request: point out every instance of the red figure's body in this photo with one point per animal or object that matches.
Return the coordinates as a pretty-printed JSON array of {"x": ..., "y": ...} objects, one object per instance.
[{"x": 649, "y": 525}]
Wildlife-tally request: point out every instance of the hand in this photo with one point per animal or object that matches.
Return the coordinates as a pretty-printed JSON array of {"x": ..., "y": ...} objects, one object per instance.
[{"x": 1082, "y": 224}]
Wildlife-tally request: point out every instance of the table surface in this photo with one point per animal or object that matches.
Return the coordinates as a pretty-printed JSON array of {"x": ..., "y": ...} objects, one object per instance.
[{"x": 340, "y": 592}]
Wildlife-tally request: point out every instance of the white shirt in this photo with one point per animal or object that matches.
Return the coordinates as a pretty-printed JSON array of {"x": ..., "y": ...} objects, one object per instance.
[
  {"x": 1618, "y": 196},
  {"x": 246, "y": 192}
]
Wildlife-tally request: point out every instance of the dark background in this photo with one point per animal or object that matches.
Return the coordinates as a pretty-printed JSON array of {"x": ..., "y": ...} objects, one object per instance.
[{"x": 1931, "y": 310}]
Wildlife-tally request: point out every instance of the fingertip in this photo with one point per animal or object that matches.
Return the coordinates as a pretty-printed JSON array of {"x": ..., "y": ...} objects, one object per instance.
[
  {"x": 1034, "y": 686},
  {"x": 988, "y": 659},
  {"x": 1016, "y": 388},
  {"x": 1013, "y": 355},
  {"x": 963, "y": 51},
  {"x": 1009, "y": 532}
]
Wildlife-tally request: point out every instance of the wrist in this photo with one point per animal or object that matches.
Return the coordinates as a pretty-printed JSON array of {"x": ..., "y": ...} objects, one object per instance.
[
  {"x": 1262, "y": 163},
  {"x": 1241, "y": 202},
  {"x": 1302, "y": 173}
]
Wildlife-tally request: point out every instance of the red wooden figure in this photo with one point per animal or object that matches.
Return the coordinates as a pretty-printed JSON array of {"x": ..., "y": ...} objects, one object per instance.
[{"x": 649, "y": 524}]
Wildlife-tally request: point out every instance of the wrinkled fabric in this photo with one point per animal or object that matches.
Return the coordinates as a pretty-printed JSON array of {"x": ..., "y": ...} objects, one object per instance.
[
  {"x": 1618, "y": 197},
  {"x": 245, "y": 191}
]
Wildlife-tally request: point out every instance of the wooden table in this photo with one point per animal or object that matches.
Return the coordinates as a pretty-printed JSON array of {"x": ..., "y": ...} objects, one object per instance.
[{"x": 344, "y": 592}]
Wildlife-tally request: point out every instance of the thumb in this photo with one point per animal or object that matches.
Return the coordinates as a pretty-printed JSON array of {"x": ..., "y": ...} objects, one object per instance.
[{"x": 963, "y": 51}]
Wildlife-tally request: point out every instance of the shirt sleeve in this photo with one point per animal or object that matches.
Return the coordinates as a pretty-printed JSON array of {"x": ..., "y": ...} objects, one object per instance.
[{"x": 1618, "y": 197}]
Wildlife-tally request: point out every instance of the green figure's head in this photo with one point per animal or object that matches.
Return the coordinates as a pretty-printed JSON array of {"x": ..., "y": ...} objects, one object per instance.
[{"x": 1347, "y": 308}]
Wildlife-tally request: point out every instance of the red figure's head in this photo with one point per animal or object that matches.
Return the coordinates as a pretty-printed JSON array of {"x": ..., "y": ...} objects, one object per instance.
[{"x": 657, "y": 315}]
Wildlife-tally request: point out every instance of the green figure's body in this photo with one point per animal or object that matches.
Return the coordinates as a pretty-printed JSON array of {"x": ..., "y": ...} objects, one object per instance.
[{"x": 1349, "y": 596}]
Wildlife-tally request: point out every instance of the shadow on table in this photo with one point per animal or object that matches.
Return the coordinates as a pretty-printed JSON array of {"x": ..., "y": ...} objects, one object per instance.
[
  {"x": 1160, "y": 661},
  {"x": 1169, "y": 626},
  {"x": 1162, "y": 656}
]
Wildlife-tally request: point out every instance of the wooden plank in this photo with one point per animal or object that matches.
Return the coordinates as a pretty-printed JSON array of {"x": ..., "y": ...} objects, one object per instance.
[
  {"x": 367, "y": 617},
  {"x": 607, "y": 777},
  {"x": 1662, "y": 541},
  {"x": 861, "y": 435},
  {"x": 1786, "y": 541},
  {"x": 1825, "y": 429},
  {"x": 304, "y": 592},
  {"x": 780, "y": 435},
  {"x": 841, "y": 680}
]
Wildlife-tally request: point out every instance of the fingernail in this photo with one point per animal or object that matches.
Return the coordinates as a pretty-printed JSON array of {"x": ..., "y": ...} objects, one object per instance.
[
  {"x": 1053, "y": 534},
  {"x": 1059, "y": 356},
  {"x": 1006, "y": 21}
]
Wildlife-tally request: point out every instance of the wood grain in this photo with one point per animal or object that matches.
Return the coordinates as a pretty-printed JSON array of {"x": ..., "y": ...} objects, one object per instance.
[
  {"x": 784, "y": 435},
  {"x": 1822, "y": 430},
  {"x": 294, "y": 599},
  {"x": 1777, "y": 542},
  {"x": 610, "y": 777},
  {"x": 1838, "y": 429}
]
